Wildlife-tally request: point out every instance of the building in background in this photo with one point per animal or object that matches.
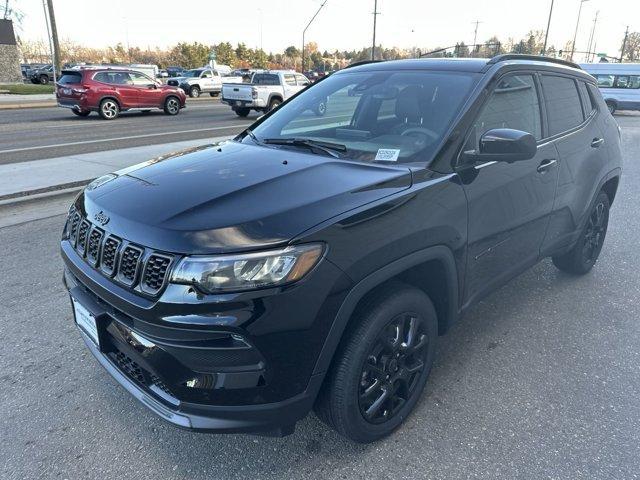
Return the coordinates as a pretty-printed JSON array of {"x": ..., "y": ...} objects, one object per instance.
[{"x": 9, "y": 58}]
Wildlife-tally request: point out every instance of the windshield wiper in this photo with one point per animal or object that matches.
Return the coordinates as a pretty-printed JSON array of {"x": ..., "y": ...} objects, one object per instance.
[
  {"x": 326, "y": 147},
  {"x": 248, "y": 133}
]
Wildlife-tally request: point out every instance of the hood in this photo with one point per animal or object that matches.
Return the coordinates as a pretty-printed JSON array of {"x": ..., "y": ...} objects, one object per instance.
[{"x": 233, "y": 196}]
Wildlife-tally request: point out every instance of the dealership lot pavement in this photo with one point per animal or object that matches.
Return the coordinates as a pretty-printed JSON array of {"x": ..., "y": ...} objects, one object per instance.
[{"x": 540, "y": 380}]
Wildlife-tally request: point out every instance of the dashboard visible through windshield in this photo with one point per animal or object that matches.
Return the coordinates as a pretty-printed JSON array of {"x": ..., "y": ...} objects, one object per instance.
[{"x": 371, "y": 116}]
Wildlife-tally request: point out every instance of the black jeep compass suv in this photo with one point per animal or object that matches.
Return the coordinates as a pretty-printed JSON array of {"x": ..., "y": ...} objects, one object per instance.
[{"x": 312, "y": 262}]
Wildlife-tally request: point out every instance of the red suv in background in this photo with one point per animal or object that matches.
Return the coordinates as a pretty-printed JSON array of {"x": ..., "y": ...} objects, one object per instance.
[{"x": 110, "y": 91}]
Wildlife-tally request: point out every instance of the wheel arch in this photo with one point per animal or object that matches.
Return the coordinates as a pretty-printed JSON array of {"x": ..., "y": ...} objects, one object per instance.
[
  {"x": 610, "y": 187},
  {"x": 275, "y": 96},
  {"x": 432, "y": 270},
  {"x": 110, "y": 97}
]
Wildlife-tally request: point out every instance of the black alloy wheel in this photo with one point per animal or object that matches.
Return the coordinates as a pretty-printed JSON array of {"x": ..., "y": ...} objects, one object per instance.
[{"x": 391, "y": 371}]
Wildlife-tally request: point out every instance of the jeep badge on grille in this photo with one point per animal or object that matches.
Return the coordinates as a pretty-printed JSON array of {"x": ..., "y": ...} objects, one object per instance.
[{"x": 101, "y": 218}]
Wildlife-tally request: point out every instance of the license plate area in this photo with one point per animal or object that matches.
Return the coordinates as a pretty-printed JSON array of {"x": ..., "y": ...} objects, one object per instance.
[{"x": 85, "y": 320}]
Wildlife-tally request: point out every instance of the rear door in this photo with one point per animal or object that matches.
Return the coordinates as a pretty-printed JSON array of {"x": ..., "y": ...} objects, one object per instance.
[
  {"x": 289, "y": 85},
  {"x": 509, "y": 204},
  {"x": 576, "y": 131},
  {"x": 149, "y": 95}
]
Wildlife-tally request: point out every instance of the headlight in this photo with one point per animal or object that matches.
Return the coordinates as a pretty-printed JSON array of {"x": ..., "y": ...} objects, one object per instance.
[{"x": 224, "y": 273}]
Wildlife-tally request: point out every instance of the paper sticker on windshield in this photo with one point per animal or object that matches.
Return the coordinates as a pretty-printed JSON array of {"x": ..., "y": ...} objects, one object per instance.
[{"x": 387, "y": 155}]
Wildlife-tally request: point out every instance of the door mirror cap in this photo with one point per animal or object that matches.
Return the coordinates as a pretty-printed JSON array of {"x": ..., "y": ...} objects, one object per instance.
[{"x": 503, "y": 145}]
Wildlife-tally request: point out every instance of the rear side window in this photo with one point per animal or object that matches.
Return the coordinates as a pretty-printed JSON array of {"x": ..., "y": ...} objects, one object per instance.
[
  {"x": 589, "y": 104},
  {"x": 513, "y": 104},
  {"x": 115, "y": 78},
  {"x": 266, "y": 79},
  {"x": 70, "y": 77},
  {"x": 564, "y": 110}
]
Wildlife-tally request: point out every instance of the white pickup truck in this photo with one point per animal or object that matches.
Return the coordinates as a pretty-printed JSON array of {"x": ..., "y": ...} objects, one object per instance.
[
  {"x": 202, "y": 80},
  {"x": 266, "y": 91}
]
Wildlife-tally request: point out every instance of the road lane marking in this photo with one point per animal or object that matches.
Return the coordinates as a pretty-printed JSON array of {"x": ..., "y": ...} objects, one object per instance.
[{"x": 131, "y": 137}]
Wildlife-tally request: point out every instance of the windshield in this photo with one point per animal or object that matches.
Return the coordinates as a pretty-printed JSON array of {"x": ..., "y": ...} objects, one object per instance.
[
  {"x": 377, "y": 116},
  {"x": 192, "y": 73}
]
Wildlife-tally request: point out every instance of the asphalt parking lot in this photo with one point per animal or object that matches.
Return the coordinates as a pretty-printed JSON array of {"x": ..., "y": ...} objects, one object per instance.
[{"x": 540, "y": 380}]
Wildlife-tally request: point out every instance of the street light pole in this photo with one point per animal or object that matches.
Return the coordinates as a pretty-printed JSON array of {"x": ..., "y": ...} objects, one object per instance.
[
  {"x": 305, "y": 31},
  {"x": 546, "y": 35},
  {"x": 591, "y": 37},
  {"x": 575, "y": 34},
  {"x": 624, "y": 44}
]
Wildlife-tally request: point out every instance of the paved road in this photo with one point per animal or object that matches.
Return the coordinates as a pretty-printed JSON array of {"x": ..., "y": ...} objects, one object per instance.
[
  {"x": 38, "y": 133},
  {"x": 540, "y": 380}
]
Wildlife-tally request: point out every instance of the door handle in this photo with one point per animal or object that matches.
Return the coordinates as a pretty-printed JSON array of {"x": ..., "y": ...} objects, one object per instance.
[
  {"x": 596, "y": 142},
  {"x": 546, "y": 164}
]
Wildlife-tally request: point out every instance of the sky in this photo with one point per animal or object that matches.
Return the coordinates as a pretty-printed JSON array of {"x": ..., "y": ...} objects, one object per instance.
[{"x": 344, "y": 25}]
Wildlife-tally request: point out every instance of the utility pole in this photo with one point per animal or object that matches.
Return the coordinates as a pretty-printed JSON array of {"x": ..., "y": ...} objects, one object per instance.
[
  {"x": 375, "y": 15},
  {"x": 51, "y": 49},
  {"x": 305, "y": 31},
  {"x": 475, "y": 34},
  {"x": 54, "y": 38},
  {"x": 591, "y": 36},
  {"x": 573, "y": 45},
  {"x": 546, "y": 35},
  {"x": 624, "y": 43}
]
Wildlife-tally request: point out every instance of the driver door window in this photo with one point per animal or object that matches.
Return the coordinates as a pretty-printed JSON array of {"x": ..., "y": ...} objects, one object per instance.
[
  {"x": 513, "y": 104},
  {"x": 140, "y": 80}
]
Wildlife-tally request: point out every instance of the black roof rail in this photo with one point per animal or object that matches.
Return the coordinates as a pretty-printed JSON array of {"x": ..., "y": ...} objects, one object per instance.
[
  {"x": 539, "y": 58},
  {"x": 362, "y": 62}
]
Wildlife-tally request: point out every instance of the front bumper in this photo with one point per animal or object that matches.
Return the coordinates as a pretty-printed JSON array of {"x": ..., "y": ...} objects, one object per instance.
[{"x": 227, "y": 366}]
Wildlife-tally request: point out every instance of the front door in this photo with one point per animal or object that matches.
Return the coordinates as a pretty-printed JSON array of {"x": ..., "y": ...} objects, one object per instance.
[
  {"x": 509, "y": 203},
  {"x": 149, "y": 94}
]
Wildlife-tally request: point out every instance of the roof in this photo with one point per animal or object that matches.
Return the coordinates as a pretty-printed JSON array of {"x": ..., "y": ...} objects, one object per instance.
[
  {"x": 451, "y": 64},
  {"x": 477, "y": 65}
]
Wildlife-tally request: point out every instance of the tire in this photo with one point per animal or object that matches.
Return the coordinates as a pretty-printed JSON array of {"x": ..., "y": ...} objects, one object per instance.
[
  {"x": 584, "y": 254},
  {"x": 109, "y": 109},
  {"x": 321, "y": 109},
  {"x": 172, "y": 105},
  {"x": 214, "y": 94},
  {"x": 145, "y": 112},
  {"x": 274, "y": 103},
  {"x": 373, "y": 352},
  {"x": 81, "y": 113},
  {"x": 611, "y": 106},
  {"x": 194, "y": 92},
  {"x": 242, "y": 112},
  {"x": 44, "y": 80}
]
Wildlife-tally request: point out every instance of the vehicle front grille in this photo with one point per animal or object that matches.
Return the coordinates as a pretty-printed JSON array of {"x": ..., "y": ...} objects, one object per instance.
[
  {"x": 155, "y": 272},
  {"x": 129, "y": 263},
  {"x": 142, "y": 269}
]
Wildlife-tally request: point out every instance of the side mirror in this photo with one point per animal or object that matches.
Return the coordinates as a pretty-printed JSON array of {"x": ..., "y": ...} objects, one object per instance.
[
  {"x": 152, "y": 86},
  {"x": 503, "y": 145}
]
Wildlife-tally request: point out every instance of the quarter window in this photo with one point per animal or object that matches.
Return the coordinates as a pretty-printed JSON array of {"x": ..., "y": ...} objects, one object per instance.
[
  {"x": 589, "y": 104},
  {"x": 562, "y": 100},
  {"x": 513, "y": 104}
]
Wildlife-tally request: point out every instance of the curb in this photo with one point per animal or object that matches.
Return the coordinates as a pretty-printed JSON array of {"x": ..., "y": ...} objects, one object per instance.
[
  {"x": 15, "y": 106},
  {"x": 40, "y": 193}
]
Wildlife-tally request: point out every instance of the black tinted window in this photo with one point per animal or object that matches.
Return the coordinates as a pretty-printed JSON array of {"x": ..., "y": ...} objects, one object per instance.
[
  {"x": 70, "y": 77},
  {"x": 513, "y": 104},
  {"x": 266, "y": 79},
  {"x": 564, "y": 110},
  {"x": 588, "y": 102}
]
